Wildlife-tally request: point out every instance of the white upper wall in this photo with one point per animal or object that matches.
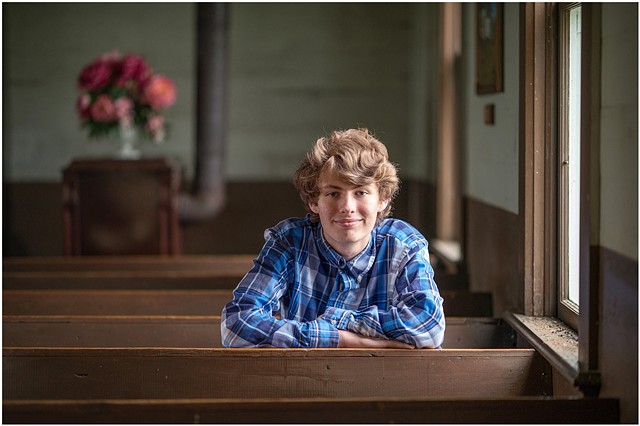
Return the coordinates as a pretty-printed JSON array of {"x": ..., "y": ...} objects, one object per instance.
[{"x": 491, "y": 151}]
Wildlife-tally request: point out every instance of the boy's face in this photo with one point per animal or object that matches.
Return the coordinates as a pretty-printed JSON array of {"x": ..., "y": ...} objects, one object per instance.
[{"x": 347, "y": 213}]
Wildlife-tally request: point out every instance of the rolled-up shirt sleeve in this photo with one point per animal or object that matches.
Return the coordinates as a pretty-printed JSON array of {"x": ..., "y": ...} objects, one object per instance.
[
  {"x": 250, "y": 320},
  {"x": 414, "y": 315}
]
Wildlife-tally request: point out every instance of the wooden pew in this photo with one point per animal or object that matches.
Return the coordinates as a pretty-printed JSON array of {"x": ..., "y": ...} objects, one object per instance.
[
  {"x": 239, "y": 264},
  {"x": 145, "y": 272},
  {"x": 122, "y": 280},
  {"x": 125, "y": 272},
  {"x": 132, "y": 279},
  {"x": 115, "y": 302},
  {"x": 104, "y": 368},
  {"x": 193, "y": 332},
  {"x": 406, "y": 410},
  {"x": 161, "y": 373},
  {"x": 174, "y": 302}
]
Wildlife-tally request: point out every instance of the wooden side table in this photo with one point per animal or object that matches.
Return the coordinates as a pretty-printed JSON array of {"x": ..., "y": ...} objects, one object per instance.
[{"x": 121, "y": 207}]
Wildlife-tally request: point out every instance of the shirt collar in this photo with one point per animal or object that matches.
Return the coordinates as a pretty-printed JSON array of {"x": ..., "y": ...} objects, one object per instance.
[{"x": 357, "y": 266}]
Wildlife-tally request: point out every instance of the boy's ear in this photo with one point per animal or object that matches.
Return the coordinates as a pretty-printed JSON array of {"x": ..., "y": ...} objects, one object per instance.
[
  {"x": 383, "y": 205},
  {"x": 313, "y": 207}
]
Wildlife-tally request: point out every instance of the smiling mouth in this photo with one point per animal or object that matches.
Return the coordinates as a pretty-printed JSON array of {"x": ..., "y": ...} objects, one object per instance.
[{"x": 348, "y": 223}]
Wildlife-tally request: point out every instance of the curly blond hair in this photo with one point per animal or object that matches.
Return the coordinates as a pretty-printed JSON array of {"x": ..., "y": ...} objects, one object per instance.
[{"x": 357, "y": 157}]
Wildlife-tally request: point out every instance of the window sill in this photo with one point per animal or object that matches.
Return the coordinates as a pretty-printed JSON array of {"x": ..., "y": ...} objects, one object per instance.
[{"x": 558, "y": 344}]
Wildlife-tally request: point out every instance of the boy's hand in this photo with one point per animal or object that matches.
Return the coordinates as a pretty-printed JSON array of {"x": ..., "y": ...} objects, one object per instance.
[{"x": 353, "y": 340}]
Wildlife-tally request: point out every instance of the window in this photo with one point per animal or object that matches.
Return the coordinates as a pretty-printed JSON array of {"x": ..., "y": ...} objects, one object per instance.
[
  {"x": 569, "y": 179},
  {"x": 559, "y": 152}
]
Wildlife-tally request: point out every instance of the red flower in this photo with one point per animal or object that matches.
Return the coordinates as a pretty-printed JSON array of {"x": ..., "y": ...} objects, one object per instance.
[
  {"x": 133, "y": 67},
  {"x": 96, "y": 75},
  {"x": 159, "y": 92}
]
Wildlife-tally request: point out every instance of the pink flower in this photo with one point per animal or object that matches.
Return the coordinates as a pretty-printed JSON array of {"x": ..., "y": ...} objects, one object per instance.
[
  {"x": 103, "y": 109},
  {"x": 82, "y": 106},
  {"x": 155, "y": 123},
  {"x": 123, "y": 107},
  {"x": 112, "y": 57},
  {"x": 133, "y": 67},
  {"x": 159, "y": 92},
  {"x": 122, "y": 91},
  {"x": 155, "y": 126}
]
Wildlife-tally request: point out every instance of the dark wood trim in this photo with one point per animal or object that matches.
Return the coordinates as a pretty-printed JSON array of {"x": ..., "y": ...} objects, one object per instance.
[
  {"x": 35, "y": 210},
  {"x": 589, "y": 321},
  {"x": 550, "y": 288},
  {"x": 496, "y": 231},
  {"x": 537, "y": 147}
]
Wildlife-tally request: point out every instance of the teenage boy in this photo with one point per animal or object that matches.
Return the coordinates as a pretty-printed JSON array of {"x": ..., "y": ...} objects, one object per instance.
[{"x": 345, "y": 275}]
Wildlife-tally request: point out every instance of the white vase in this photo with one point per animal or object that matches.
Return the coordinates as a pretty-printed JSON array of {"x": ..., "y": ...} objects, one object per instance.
[{"x": 128, "y": 149}]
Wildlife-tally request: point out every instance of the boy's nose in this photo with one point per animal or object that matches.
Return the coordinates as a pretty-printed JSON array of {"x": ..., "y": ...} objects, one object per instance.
[{"x": 347, "y": 203}]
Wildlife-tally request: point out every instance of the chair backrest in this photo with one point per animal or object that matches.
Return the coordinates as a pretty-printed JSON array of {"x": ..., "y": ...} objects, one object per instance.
[{"x": 121, "y": 207}]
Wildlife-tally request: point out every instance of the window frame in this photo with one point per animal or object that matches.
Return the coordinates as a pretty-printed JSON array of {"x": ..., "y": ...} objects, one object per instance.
[
  {"x": 568, "y": 311},
  {"x": 539, "y": 191}
]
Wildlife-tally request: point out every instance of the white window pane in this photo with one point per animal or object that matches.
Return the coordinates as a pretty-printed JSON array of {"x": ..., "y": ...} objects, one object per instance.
[{"x": 575, "y": 25}]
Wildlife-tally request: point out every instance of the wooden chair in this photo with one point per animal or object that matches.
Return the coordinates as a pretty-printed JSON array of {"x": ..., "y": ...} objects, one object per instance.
[{"x": 121, "y": 207}]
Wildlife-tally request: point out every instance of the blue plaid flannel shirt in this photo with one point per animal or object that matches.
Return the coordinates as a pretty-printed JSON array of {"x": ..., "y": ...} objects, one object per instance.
[{"x": 300, "y": 291}]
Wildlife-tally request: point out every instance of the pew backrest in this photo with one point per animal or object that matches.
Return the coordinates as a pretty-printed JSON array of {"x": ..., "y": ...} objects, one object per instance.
[
  {"x": 144, "y": 373},
  {"x": 193, "y": 332}
]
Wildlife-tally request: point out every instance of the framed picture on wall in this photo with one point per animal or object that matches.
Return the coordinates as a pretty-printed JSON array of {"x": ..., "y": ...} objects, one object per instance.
[{"x": 489, "y": 47}]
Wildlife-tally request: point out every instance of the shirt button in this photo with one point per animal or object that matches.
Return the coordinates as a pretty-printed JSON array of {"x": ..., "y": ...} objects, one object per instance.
[{"x": 334, "y": 322}]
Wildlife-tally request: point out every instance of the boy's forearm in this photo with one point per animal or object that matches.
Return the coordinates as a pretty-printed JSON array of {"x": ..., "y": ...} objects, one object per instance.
[{"x": 354, "y": 340}]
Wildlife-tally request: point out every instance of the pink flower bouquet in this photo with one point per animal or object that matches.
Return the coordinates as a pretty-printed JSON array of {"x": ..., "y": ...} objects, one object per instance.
[{"x": 123, "y": 92}]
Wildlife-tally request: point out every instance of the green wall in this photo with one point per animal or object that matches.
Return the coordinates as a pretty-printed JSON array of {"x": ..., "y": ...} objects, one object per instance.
[
  {"x": 45, "y": 45},
  {"x": 619, "y": 129},
  {"x": 296, "y": 72}
]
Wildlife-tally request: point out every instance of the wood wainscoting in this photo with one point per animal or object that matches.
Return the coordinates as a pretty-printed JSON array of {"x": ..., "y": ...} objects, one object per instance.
[{"x": 33, "y": 217}]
